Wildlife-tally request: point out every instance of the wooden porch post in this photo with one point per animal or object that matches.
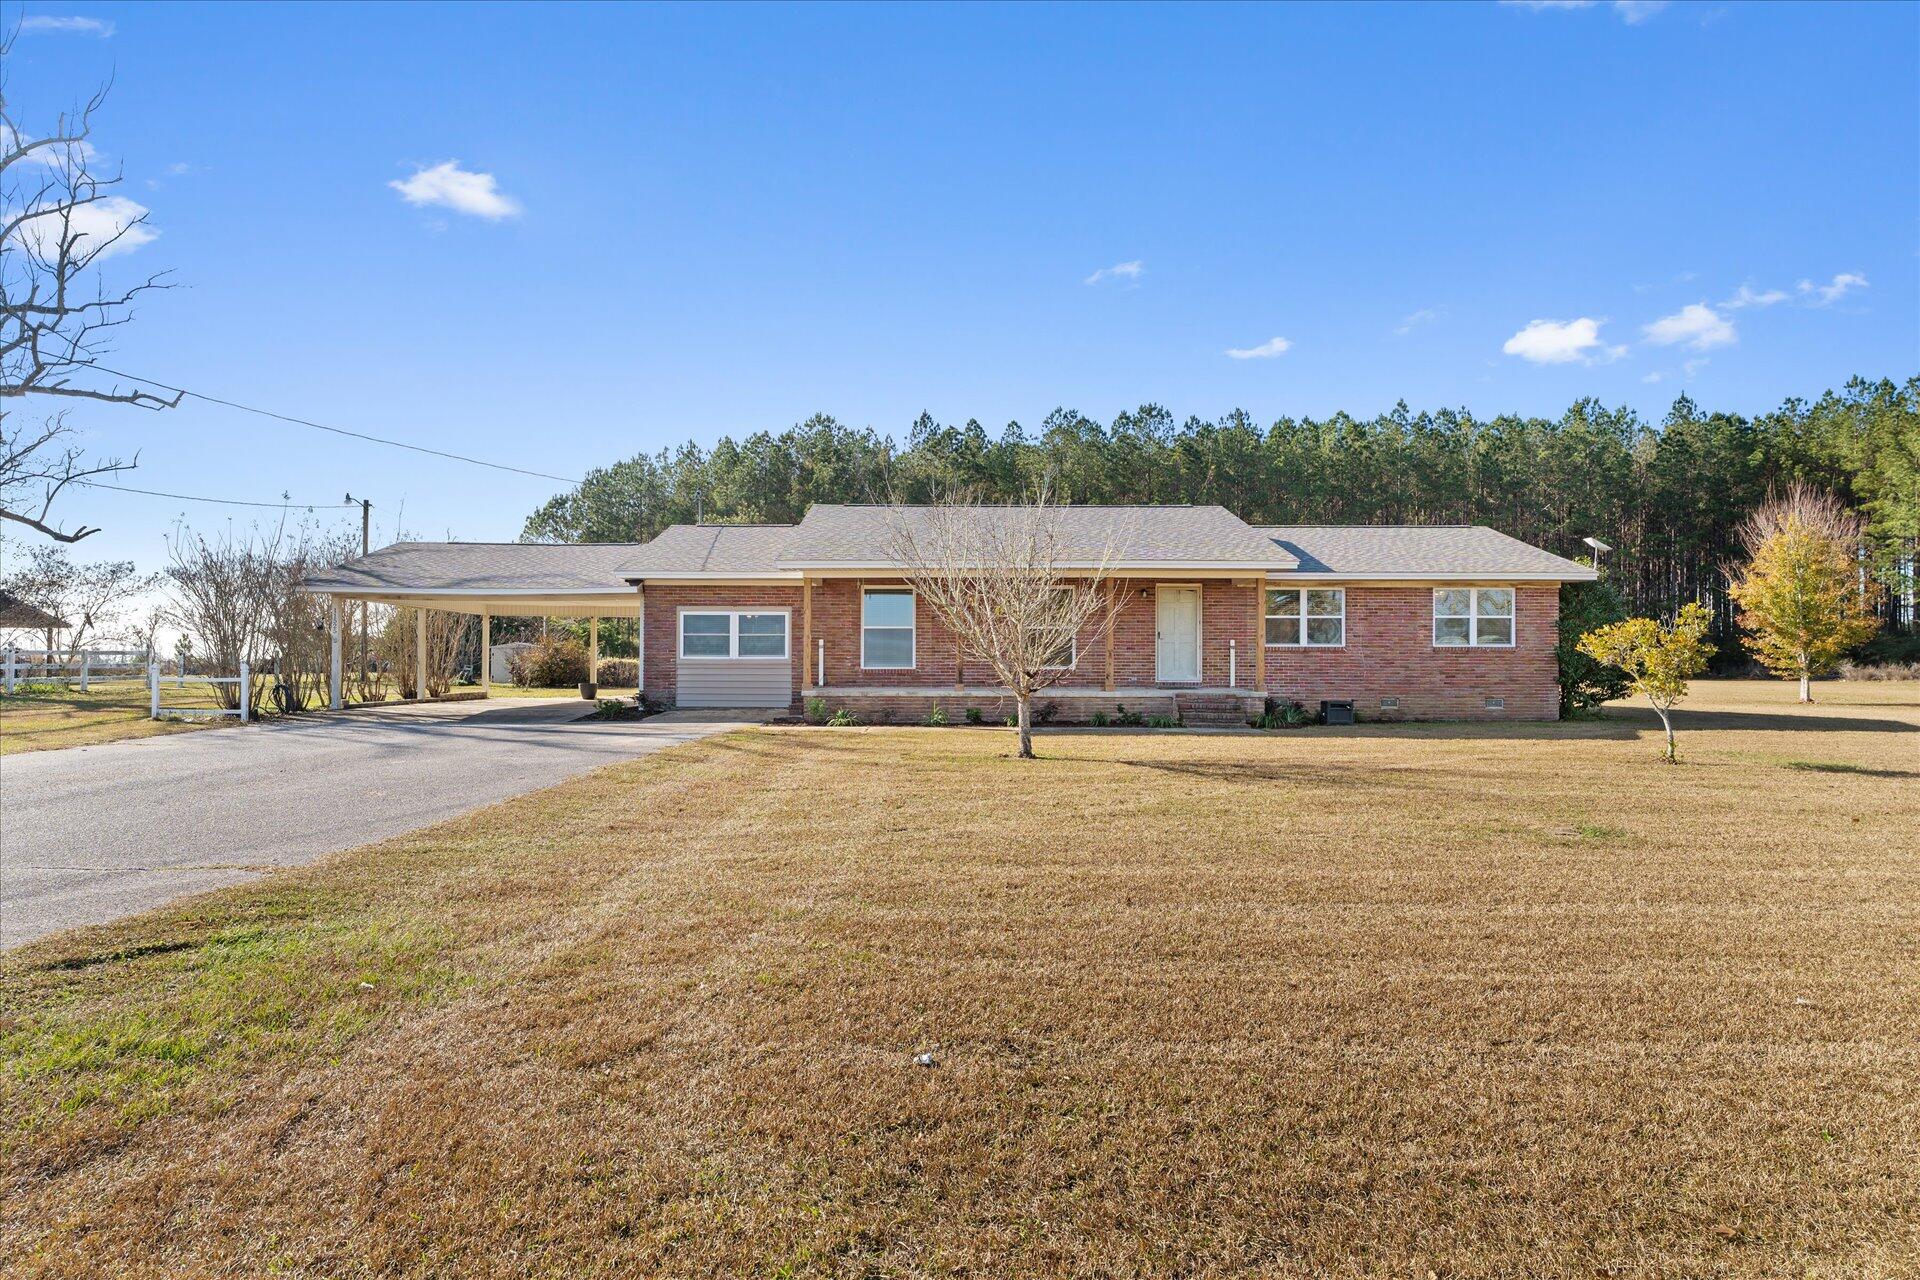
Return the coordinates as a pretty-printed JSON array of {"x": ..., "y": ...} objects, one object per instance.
[
  {"x": 333, "y": 652},
  {"x": 1260, "y": 634},
  {"x": 486, "y": 651},
  {"x": 419, "y": 653},
  {"x": 1114, "y": 605},
  {"x": 806, "y": 632}
]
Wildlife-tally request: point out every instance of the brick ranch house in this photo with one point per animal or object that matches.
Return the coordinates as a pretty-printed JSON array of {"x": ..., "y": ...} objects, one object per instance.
[{"x": 1214, "y": 616}]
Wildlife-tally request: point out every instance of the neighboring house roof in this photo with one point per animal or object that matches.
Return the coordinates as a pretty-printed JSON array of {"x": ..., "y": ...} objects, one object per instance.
[
  {"x": 741, "y": 549},
  {"x": 853, "y": 537},
  {"x": 1419, "y": 551},
  {"x": 469, "y": 568},
  {"x": 15, "y": 612}
]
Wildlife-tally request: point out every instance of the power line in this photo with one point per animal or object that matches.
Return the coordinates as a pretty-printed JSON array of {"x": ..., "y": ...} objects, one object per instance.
[
  {"x": 225, "y": 502},
  {"x": 338, "y": 431}
]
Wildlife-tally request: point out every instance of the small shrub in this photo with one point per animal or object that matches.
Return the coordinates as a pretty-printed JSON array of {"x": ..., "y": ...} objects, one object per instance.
[
  {"x": 1162, "y": 722},
  {"x": 842, "y": 719},
  {"x": 1098, "y": 719},
  {"x": 1125, "y": 718},
  {"x": 816, "y": 709},
  {"x": 974, "y": 716},
  {"x": 936, "y": 716},
  {"x": 1044, "y": 712},
  {"x": 618, "y": 673},
  {"x": 552, "y": 662},
  {"x": 1283, "y": 715}
]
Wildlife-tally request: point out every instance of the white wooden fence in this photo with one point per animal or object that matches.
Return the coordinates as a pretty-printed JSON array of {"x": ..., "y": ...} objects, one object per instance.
[
  {"x": 86, "y": 666},
  {"x": 244, "y": 680}
]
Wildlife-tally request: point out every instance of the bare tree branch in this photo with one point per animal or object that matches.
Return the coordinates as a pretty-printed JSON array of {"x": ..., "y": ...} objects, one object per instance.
[
  {"x": 59, "y": 219},
  {"x": 1010, "y": 584}
]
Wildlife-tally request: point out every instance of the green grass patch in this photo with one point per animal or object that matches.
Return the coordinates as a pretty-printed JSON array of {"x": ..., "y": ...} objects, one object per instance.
[{"x": 246, "y": 993}]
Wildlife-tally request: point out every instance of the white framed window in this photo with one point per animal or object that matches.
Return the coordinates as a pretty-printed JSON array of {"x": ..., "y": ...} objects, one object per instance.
[
  {"x": 1481, "y": 617},
  {"x": 887, "y": 641},
  {"x": 732, "y": 633},
  {"x": 1311, "y": 617},
  {"x": 1061, "y": 647}
]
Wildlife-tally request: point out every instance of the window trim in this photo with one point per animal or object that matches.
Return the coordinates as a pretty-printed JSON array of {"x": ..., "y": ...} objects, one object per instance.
[
  {"x": 1473, "y": 616},
  {"x": 1073, "y": 653},
  {"x": 912, "y": 628},
  {"x": 733, "y": 617},
  {"x": 1266, "y": 602}
]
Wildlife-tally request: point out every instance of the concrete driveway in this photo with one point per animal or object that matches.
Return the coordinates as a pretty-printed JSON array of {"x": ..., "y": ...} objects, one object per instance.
[{"x": 88, "y": 834}]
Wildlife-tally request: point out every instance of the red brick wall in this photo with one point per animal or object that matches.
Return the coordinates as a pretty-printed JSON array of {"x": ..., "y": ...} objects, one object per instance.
[
  {"x": 1389, "y": 650},
  {"x": 1390, "y": 653},
  {"x": 663, "y": 604}
]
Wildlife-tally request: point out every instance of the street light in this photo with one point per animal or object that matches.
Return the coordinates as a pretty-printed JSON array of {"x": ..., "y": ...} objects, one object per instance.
[{"x": 1599, "y": 549}]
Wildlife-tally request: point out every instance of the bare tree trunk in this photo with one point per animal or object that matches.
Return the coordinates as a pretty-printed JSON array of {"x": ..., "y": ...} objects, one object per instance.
[
  {"x": 1666, "y": 722},
  {"x": 1806, "y": 690},
  {"x": 1025, "y": 719}
]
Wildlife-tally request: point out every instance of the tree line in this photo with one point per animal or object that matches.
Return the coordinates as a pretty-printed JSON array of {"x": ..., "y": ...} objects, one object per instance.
[{"x": 1669, "y": 497}]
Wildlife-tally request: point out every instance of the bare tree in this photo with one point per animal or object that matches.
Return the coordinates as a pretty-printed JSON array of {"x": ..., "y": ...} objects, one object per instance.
[
  {"x": 241, "y": 599},
  {"x": 1008, "y": 582},
  {"x": 59, "y": 220},
  {"x": 93, "y": 598}
]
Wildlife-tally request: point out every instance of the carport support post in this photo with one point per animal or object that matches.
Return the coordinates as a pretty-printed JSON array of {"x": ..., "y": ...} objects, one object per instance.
[
  {"x": 593, "y": 650},
  {"x": 333, "y": 653},
  {"x": 419, "y": 653},
  {"x": 486, "y": 652}
]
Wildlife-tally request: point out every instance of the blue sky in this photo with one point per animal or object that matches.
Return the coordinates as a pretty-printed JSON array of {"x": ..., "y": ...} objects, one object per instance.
[{"x": 667, "y": 224}]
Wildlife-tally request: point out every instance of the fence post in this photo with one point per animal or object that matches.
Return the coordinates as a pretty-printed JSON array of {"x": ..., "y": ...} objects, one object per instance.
[
  {"x": 246, "y": 690},
  {"x": 86, "y": 668},
  {"x": 9, "y": 668},
  {"x": 153, "y": 687}
]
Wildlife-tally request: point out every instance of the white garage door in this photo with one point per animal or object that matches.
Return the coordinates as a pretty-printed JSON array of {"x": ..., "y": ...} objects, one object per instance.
[{"x": 734, "y": 658}]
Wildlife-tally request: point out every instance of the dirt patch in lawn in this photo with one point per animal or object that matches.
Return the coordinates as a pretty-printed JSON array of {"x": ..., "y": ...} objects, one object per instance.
[{"x": 1460, "y": 1002}]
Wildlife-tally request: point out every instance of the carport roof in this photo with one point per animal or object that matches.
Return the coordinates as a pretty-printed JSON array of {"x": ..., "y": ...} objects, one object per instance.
[{"x": 482, "y": 568}]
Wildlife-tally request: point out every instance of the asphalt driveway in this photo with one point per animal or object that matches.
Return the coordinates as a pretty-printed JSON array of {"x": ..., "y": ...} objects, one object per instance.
[{"x": 88, "y": 834}]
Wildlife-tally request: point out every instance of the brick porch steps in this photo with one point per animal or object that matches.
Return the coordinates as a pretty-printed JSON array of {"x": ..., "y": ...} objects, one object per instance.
[{"x": 1213, "y": 710}]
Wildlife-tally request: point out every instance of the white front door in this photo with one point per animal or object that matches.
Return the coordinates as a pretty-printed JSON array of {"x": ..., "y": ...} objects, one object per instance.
[{"x": 1176, "y": 622}]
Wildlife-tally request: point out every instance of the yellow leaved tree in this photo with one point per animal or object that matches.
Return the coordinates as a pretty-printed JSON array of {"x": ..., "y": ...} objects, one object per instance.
[
  {"x": 1803, "y": 593},
  {"x": 1658, "y": 660}
]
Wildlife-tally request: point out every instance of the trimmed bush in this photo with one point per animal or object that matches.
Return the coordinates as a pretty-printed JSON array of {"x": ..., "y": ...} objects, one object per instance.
[
  {"x": 553, "y": 662},
  {"x": 619, "y": 673}
]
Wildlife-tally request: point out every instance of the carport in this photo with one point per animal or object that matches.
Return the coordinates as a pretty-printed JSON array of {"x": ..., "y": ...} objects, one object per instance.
[{"x": 484, "y": 580}]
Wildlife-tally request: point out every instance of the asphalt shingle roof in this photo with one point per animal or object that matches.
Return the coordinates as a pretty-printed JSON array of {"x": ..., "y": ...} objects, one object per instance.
[
  {"x": 855, "y": 536},
  {"x": 833, "y": 535},
  {"x": 479, "y": 567},
  {"x": 1419, "y": 551},
  {"x": 710, "y": 548}
]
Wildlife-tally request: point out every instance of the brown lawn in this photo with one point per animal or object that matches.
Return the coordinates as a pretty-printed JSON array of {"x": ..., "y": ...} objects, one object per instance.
[
  {"x": 41, "y": 717},
  {"x": 1405, "y": 1001}
]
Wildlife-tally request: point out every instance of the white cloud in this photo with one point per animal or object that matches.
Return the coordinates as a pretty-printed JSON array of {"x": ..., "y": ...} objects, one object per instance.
[
  {"x": 99, "y": 27},
  {"x": 1426, "y": 315},
  {"x": 1631, "y": 12},
  {"x": 451, "y": 187},
  {"x": 1692, "y": 367},
  {"x": 1265, "y": 351},
  {"x": 1696, "y": 326},
  {"x": 1562, "y": 342},
  {"x": 179, "y": 168},
  {"x": 1635, "y": 12},
  {"x": 97, "y": 222},
  {"x": 1748, "y": 296},
  {"x": 1653, "y": 377},
  {"x": 1822, "y": 295},
  {"x": 1119, "y": 271}
]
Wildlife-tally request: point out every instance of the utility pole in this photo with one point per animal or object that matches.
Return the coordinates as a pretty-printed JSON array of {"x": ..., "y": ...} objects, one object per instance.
[{"x": 366, "y": 526}]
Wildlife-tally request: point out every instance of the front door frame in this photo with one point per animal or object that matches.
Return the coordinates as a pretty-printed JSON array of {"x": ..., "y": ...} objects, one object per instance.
[{"x": 1160, "y": 674}]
